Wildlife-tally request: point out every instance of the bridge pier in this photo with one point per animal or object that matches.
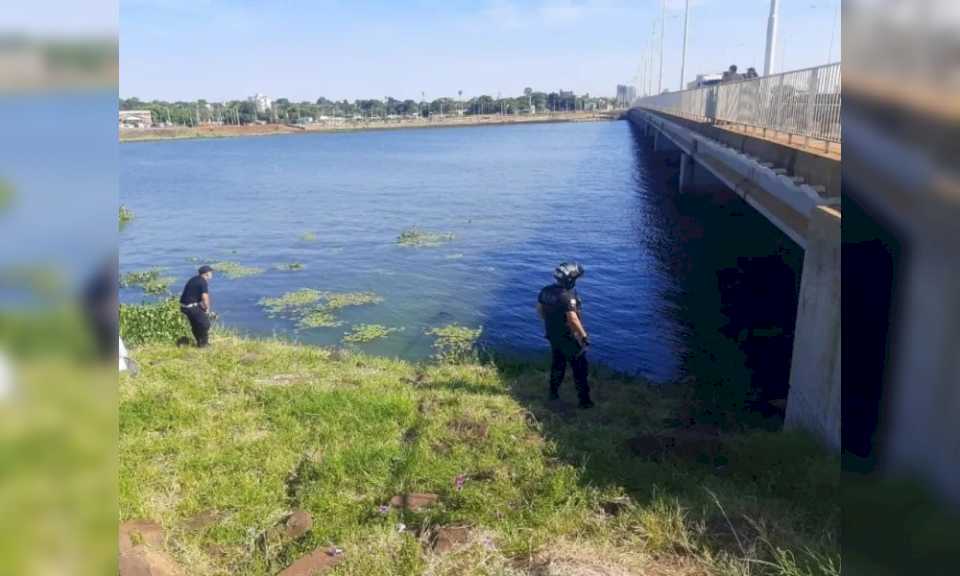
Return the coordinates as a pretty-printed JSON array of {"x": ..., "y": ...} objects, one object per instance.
[
  {"x": 814, "y": 401},
  {"x": 686, "y": 172}
]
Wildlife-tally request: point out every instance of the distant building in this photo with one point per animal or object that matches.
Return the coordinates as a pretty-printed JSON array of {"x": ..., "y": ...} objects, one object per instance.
[
  {"x": 262, "y": 103},
  {"x": 625, "y": 95},
  {"x": 136, "y": 119}
]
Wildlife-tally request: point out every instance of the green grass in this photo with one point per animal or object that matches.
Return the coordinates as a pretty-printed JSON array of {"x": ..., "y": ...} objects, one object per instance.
[{"x": 255, "y": 429}]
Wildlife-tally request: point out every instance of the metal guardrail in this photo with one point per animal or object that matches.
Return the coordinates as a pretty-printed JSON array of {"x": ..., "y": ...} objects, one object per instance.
[{"x": 801, "y": 102}]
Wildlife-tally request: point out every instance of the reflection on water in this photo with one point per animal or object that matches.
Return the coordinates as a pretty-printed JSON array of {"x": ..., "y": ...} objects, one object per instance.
[{"x": 519, "y": 200}]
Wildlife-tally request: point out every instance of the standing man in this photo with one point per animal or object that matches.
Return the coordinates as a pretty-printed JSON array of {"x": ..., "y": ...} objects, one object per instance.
[
  {"x": 195, "y": 304},
  {"x": 559, "y": 306}
]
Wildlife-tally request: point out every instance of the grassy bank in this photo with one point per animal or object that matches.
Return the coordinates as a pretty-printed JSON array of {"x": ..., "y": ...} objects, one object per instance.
[
  {"x": 220, "y": 445},
  {"x": 228, "y": 131}
]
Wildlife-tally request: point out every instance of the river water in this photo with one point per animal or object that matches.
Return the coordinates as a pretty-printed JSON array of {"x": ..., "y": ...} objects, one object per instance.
[{"x": 518, "y": 199}]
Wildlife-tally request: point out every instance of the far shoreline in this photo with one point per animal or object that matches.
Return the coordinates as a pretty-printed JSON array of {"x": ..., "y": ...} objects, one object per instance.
[{"x": 228, "y": 131}]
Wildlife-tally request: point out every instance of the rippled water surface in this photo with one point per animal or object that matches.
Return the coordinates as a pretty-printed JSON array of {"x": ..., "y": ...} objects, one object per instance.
[{"x": 519, "y": 200}]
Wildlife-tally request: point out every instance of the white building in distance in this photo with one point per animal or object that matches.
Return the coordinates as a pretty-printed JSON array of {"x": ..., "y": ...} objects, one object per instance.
[{"x": 262, "y": 103}]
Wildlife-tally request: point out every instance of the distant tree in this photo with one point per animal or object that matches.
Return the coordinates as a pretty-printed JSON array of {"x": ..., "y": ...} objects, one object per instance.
[{"x": 248, "y": 112}]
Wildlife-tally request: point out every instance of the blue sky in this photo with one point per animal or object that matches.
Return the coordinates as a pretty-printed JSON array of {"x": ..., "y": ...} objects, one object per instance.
[{"x": 303, "y": 49}]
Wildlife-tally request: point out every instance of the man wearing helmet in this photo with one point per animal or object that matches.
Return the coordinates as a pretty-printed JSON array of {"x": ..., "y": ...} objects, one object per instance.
[{"x": 560, "y": 308}]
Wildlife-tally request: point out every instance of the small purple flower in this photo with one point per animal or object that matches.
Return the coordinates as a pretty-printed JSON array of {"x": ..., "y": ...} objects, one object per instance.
[
  {"x": 459, "y": 482},
  {"x": 384, "y": 509}
]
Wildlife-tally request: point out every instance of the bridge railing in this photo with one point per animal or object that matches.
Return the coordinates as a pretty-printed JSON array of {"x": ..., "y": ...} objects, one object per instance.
[{"x": 801, "y": 102}]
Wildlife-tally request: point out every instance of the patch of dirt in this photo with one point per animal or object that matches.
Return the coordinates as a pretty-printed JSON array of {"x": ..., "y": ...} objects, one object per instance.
[
  {"x": 140, "y": 533},
  {"x": 577, "y": 559},
  {"x": 141, "y": 551},
  {"x": 144, "y": 561},
  {"x": 279, "y": 380},
  {"x": 320, "y": 561},
  {"x": 411, "y": 435},
  {"x": 448, "y": 538},
  {"x": 467, "y": 429},
  {"x": 297, "y": 524},
  {"x": 414, "y": 501},
  {"x": 203, "y": 520},
  {"x": 616, "y": 506}
]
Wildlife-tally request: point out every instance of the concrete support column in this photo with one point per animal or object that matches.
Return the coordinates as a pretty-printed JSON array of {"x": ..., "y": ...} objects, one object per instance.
[
  {"x": 815, "y": 376},
  {"x": 686, "y": 172},
  {"x": 924, "y": 393}
]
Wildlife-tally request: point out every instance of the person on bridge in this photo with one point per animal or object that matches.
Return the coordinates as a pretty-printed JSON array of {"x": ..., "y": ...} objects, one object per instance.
[
  {"x": 560, "y": 308},
  {"x": 195, "y": 304}
]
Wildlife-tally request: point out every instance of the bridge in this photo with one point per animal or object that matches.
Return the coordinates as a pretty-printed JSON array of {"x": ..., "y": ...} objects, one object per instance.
[{"x": 775, "y": 141}]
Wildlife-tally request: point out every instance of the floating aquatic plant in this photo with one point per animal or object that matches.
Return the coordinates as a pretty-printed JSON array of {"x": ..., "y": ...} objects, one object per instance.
[
  {"x": 234, "y": 270},
  {"x": 362, "y": 333},
  {"x": 126, "y": 214},
  {"x": 6, "y": 196},
  {"x": 338, "y": 300},
  {"x": 315, "y": 308},
  {"x": 291, "y": 301},
  {"x": 319, "y": 318},
  {"x": 308, "y": 236},
  {"x": 418, "y": 238},
  {"x": 150, "y": 281},
  {"x": 291, "y": 267},
  {"x": 455, "y": 343}
]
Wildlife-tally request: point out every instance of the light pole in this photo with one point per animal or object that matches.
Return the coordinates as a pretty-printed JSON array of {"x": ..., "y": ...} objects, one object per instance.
[
  {"x": 771, "y": 38},
  {"x": 683, "y": 57},
  {"x": 663, "y": 21}
]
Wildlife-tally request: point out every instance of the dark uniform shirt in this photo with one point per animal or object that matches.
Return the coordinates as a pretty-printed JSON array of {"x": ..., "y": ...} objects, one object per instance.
[
  {"x": 556, "y": 302},
  {"x": 194, "y": 290}
]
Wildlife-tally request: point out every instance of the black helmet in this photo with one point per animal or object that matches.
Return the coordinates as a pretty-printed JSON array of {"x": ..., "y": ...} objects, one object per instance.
[{"x": 567, "y": 273}]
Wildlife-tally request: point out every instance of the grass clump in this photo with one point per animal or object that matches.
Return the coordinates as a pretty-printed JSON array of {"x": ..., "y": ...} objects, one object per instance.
[
  {"x": 233, "y": 270},
  {"x": 156, "y": 322},
  {"x": 150, "y": 281},
  {"x": 363, "y": 333},
  {"x": 126, "y": 214},
  {"x": 455, "y": 343},
  {"x": 418, "y": 238},
  {"x": 266, "y": 428}
]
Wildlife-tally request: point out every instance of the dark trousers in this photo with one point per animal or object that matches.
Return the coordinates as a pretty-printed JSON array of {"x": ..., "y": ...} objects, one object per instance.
[
  {"x": 569, "y": 352},
  {"x": 199, "y": 324}
]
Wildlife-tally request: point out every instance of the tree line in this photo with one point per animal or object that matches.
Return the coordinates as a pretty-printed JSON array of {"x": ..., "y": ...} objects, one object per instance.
[{"x": 284, "y": 110}]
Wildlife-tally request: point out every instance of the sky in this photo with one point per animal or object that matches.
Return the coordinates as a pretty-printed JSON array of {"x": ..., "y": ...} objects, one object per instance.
[{"x": 303, "y": 49}]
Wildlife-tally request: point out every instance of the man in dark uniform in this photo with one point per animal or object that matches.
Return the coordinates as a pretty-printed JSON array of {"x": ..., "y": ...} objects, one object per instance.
[
  {"x": 559, "y": 306},
  {"x": 195, "y": 304}
]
